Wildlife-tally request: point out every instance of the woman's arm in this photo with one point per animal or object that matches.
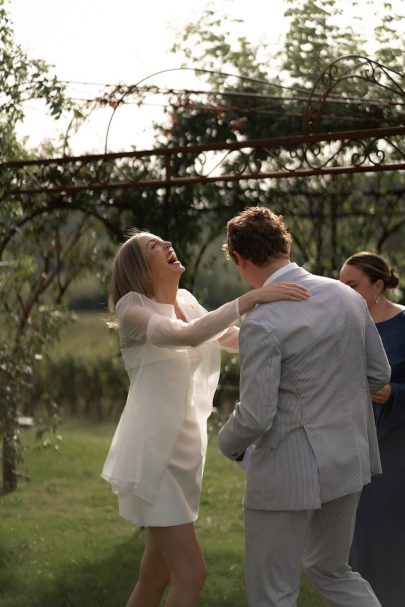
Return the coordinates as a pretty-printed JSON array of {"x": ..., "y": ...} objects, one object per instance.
[
  {"x": 289, "y": 291},
  {"x": 144, "y": 325}
]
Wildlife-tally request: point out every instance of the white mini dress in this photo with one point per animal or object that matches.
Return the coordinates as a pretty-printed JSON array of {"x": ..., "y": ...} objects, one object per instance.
[
  {"x": 178, "y": 497},
  {"x": 156, "y": 459}
]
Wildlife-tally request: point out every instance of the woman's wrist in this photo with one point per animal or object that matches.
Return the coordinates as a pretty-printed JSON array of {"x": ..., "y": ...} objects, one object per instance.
[{"x": 247, "y": 301}]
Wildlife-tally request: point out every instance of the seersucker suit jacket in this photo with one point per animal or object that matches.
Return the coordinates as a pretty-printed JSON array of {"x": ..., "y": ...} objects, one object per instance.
[{"x": 308, "y": 370}]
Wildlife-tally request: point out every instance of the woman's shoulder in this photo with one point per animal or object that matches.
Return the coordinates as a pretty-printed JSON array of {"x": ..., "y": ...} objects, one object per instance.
[
  {"x": 394, "y": 318},
  {"x": 132, "y": 300},
  {"x": 400, "y": 313},
  {"x": 135, "y": 298},
  {"x": 122, "y": 302},
  {"x": 128, "y": 298},
  {"x": 186, "y": 298},
  {"x": 397, "y": 311},
  {"x": 186, "y": 295}
]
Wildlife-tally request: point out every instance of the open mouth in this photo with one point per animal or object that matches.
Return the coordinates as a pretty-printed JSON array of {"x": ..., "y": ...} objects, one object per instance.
[{"x": 172, "y": 258}]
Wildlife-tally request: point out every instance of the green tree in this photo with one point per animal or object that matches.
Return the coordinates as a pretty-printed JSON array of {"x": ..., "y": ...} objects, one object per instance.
[
  {"x": 329, "y": 215},
  {"x": 42, "y": 247},
  {"x": 314, "y": 40},
  {"x": 39, "y": 263},
  {"x": 389, "y": 36},
  {"x": 21, "y": 79},
  {"x": 48, "y": 240}
]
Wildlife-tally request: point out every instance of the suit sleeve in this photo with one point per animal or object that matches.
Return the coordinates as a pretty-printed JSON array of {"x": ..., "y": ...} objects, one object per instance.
[
  {"x": 260, "y": 369},
  {"x": 378, "y": 368}
]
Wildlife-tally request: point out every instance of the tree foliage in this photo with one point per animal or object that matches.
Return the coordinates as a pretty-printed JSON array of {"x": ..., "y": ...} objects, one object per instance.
[
  {"x": 38, "y": 264},
  {"x": 46, "y": 241},
  {"x": 42, "y": 249},
  {"x": 22, "y": 79},
  {"x": 330, "y": 216}
]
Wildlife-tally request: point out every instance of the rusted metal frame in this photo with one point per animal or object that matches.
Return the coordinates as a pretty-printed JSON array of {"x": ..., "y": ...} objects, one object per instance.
[
  {"x": 180, "y": 181},
  {"x": 232, "y": 145},
  {"x": 85, "y": 166}
]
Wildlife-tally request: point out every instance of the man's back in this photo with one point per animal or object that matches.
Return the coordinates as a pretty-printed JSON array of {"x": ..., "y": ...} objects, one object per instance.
[
  {"x": 307, "y": 371},
  {"x": 314, "y": 359}
]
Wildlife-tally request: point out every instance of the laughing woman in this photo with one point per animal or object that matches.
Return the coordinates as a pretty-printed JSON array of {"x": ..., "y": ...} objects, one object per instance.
[{"x": 171, "y": 350}]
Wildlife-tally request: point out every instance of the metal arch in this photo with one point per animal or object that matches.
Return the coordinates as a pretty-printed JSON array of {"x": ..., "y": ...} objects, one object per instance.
[
  {"x": 311, "y": 153},
  {"x": 343, "y": 69}
]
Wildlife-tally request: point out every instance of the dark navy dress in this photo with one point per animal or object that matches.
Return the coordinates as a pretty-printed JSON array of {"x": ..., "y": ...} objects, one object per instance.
[{"x": 378, "y": 549}]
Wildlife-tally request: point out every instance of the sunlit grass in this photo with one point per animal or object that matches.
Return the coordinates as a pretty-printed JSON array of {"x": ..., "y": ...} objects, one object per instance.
[{"x": 64, "y": 545}]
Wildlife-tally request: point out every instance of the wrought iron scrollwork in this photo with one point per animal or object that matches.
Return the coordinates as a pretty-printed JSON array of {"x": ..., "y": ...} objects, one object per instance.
[
  {"x": 345, "y": 76},
  {"x": 378, "y": 146}
]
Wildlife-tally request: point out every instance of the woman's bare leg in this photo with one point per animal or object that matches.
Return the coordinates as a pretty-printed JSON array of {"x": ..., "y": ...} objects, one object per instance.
[
  {"x": 182, "y": 553},
  {"x": 154, "y": 576}
]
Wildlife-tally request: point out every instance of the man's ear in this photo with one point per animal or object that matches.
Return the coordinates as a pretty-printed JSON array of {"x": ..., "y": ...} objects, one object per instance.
[{"x": 240, "y": 261}]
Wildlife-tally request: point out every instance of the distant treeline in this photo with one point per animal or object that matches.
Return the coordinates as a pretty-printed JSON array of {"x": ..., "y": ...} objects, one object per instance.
[{"x": 88, "y": 302}]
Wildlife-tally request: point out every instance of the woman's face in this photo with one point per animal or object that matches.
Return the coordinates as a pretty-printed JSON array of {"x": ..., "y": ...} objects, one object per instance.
[
  {"x": 160, "y": 257},
  {"x": 354, "y": 277}
]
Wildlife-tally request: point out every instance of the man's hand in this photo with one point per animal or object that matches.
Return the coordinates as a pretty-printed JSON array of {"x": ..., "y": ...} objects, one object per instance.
[{"x": 383, "y": 395}]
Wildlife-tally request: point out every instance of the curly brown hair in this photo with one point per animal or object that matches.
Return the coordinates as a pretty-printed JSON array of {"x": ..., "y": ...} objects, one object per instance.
[{"x": 258, "y": 234}]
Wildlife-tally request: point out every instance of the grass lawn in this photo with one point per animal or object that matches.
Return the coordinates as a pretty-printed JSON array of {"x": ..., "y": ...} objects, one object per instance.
[{"x": 63, "y": 543}]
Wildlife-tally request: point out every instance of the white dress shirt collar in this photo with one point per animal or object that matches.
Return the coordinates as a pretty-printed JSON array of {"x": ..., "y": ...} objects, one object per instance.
[{"x": 290, "y": 266}]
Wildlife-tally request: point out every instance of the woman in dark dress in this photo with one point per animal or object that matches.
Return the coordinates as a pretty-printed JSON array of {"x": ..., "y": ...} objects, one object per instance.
[{"x": 378, "y": 549}]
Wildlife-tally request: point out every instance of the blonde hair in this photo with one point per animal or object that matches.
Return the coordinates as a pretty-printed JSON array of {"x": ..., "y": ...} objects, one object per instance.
[{"x": 130, "y": 272}]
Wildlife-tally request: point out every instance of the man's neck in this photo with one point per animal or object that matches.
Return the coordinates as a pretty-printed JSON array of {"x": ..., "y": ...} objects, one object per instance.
[{"x": 263, "y": 273}]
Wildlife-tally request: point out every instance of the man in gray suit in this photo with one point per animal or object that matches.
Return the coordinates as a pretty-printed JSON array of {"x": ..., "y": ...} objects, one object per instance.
[{"x": 308, "y": 370}]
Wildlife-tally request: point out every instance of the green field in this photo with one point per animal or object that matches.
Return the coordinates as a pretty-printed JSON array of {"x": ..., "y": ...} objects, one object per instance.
[
  {"x": 88, "y": 336},
  {"x": 64, "y": 545}
]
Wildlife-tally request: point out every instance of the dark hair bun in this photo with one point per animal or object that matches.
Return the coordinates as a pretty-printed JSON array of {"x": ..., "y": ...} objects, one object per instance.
[{"x": 393, "y": 280}]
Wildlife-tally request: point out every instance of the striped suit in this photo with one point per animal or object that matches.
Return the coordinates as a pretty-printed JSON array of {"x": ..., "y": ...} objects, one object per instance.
[{"x": 307, "y": 371}]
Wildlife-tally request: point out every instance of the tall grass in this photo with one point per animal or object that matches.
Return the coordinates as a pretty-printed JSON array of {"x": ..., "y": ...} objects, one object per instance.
[{"x": 63, "y": 543}]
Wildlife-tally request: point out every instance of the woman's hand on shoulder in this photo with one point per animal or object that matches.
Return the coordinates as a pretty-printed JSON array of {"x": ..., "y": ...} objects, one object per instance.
[
  {"x": 289, "y": 291},
  {"x": 276, "y": 291}
]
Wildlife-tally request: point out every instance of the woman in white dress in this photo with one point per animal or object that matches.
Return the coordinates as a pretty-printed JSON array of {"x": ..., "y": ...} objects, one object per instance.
[{"x": 170, "y": 347}]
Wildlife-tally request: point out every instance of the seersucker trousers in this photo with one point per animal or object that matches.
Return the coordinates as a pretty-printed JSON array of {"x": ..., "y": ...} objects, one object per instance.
[{"x": 278, "y": 543}]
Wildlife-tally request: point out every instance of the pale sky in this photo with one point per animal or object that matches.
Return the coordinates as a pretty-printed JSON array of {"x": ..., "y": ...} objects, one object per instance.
[
  {"x": 100, "y": 41},
  {"x": 122, "y": 41}
]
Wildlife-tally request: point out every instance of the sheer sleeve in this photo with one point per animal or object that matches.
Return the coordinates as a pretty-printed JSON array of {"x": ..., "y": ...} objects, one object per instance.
[
  {"x": 145, "y": 325},
  {"x": 229, "y": 341}
]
